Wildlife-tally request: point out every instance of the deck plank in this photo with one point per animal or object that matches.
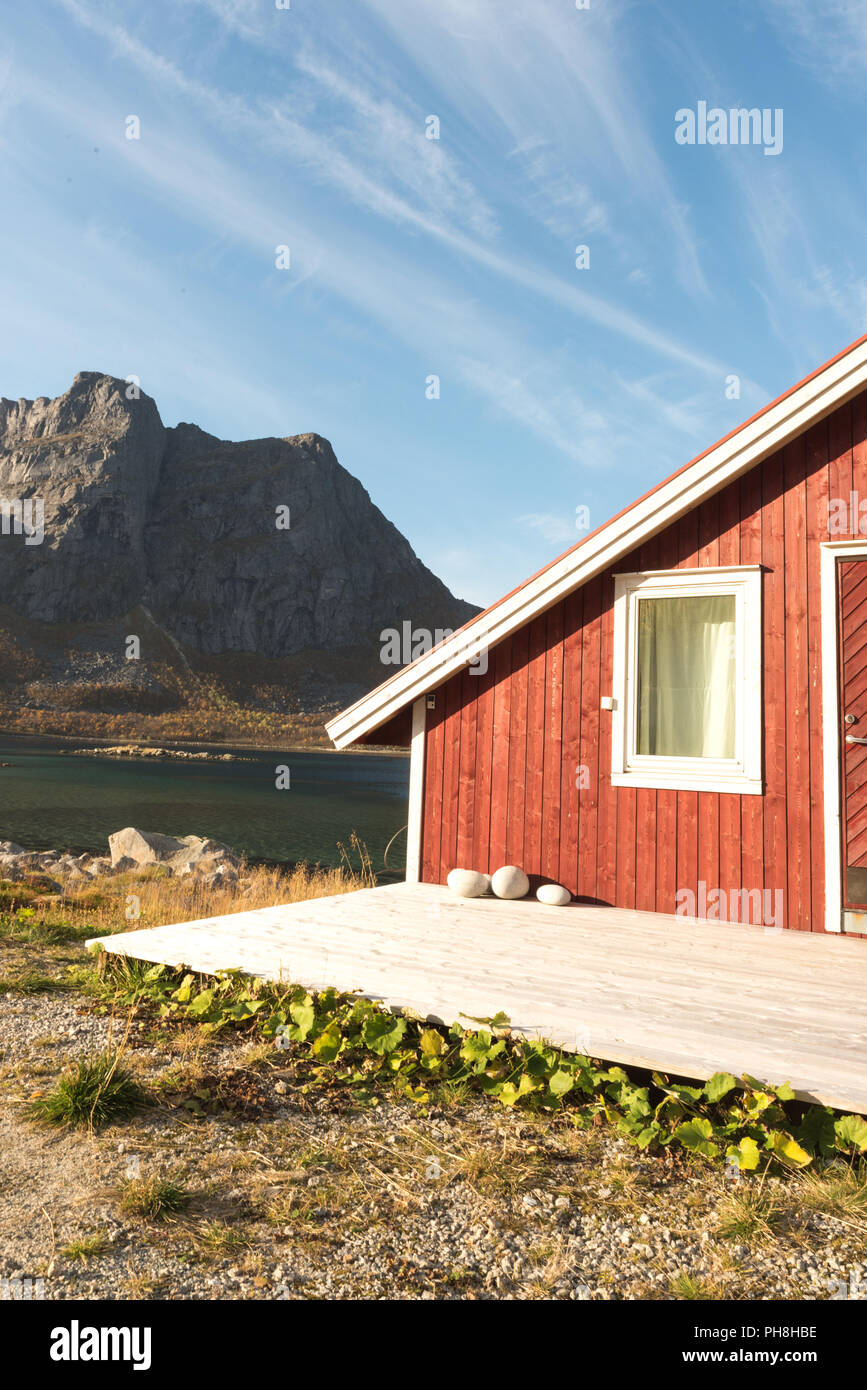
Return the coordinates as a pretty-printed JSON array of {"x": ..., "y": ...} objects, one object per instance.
[{"x": 639, "y": 988}]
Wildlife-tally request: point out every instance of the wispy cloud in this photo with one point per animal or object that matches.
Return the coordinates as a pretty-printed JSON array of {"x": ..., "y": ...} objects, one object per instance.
[
  {"x": 557, "y": 531},
  {"x": 302, "y": 145},
  {"x": 828, "y": 36},
  {"x": 554, "y": 69}
]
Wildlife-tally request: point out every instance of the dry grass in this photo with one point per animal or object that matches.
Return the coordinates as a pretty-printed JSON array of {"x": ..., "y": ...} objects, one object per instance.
[
  {"x": 750, "y": 1215},
  {"x": 164, "y": 899},
  {"x": 154, "y": 897},
  {"x": 43, "y": 946},
  {"x": 838, "y": 1192}
]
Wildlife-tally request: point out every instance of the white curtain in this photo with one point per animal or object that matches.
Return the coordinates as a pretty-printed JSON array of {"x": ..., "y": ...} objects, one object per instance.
[{"x": 686, "y": 676}]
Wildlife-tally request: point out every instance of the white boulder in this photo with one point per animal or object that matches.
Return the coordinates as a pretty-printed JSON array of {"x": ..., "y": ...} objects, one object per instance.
[
  {"x": 553, "y": 895},
  {"x": 99, "y": 866},
  {"x": 142, "y": 846},
  {"x": 178, "y": 855},
  {"x": 510, "y": 882},
  {"x": 466, "y": 883}
]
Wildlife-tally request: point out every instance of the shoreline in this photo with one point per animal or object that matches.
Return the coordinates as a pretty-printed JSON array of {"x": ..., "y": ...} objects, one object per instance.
[{"x": 89, "y": 743}]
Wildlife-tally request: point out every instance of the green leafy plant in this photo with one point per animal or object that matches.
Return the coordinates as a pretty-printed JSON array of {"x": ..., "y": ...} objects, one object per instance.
[{"x": 352, "y": 1042}]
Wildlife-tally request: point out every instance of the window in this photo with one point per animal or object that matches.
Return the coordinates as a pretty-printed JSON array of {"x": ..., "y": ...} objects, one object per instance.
[{"x": 686, "y": 711}]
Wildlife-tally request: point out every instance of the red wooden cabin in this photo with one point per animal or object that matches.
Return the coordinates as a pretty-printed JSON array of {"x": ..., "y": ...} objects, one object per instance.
[{"x": 672, "y": 715}]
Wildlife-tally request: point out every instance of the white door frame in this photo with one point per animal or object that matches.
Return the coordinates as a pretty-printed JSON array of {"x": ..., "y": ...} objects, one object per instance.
[
  {"x": 416, "y": 791},
  {"x": 831, "y": 552}
]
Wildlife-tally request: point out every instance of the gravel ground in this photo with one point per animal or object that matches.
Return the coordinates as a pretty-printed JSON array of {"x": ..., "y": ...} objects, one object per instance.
[{"x": 293, "y": 1196}]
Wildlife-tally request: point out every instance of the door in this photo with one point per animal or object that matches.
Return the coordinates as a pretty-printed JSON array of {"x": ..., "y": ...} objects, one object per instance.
[{"x": 852, "y": 629}]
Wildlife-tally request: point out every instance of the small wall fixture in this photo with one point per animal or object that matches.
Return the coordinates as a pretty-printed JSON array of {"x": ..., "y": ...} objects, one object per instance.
[{"x": 607, "y": 702}]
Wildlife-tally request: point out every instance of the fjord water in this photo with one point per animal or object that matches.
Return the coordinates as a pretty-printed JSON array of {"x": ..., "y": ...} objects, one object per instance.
[{"x": 55, "y": 800}]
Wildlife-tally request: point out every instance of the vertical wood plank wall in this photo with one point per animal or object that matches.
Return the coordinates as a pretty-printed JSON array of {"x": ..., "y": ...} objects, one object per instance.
[{"x": 518, "y": 760}]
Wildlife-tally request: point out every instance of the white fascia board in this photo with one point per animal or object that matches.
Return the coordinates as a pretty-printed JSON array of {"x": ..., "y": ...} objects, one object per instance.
[{"x": 754, "y": 441}]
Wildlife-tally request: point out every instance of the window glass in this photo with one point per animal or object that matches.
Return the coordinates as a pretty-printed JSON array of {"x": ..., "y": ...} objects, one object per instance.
[{"x": 686, "y": 674}]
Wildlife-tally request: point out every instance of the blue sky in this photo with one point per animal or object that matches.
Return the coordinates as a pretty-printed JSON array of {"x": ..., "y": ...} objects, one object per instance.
[{"x": 559, "y": 388}]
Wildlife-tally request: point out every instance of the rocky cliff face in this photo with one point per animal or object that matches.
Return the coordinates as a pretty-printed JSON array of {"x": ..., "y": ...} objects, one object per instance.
[
  {"x": 95, "y": 459},
  {"x": 214, "y": 549}
]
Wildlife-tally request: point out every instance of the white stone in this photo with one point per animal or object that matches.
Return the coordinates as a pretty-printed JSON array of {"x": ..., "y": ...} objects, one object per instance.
[
  {"x": 510, "y": 882},
  {"x": 553, "y": 895},
  {"x": 145, "y": 847},
  {"x": 466, "y": 883},
  {"x": 142, "y": 846}
]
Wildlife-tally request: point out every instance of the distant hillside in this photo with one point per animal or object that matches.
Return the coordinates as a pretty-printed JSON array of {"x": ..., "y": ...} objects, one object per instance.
[{"x": 245, "y": 627}]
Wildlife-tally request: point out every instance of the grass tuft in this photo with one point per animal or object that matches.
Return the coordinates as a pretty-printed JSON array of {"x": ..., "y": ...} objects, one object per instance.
[
  {"x": 691, "y": 1288},
  {"x": 32, "y": 982},
  {"x": 93, "y": 1092},
  {"x": 749, "y": 1215},
  {"x": 87, "y": 1248},
  {"x": 839, "y": 1192},
  {"x": 151, "y": 1199}
]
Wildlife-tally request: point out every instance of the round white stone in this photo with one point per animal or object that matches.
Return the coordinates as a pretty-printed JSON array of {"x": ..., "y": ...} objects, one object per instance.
[
  {"x": 466, "y": 883},
  {"x": 510, "y": 882},
  {"x": 487, "y": 878},
  {"x": 553, "y": 895}
]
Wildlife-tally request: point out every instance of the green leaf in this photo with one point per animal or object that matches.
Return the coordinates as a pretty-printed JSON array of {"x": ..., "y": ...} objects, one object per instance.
[
  {"x": 787, "y": 1148},
  {"x": 185, "y": 989},
  {"x": 202, "y": 1003},
  {"x": 382, "y": 1033},
  {"x": 719, "y": 1085},
  {"x": 756, "y": 1102},
  {"x": 509, "y": 1094},
  {"x": 417, "y": 1094},
  {"x": 746, "y": 1154},
  {"x": 561, "y": 1082},
  {"x": 784, "y": 1092},
  {"x": 851, "y": 1133},
  {"x": 432, "y": 1043},
  {"x": 816, "y": 1130},
  {"x": 696, "y": 1135},
  {"x": 647, "y": 1136},
  {"x": 244, "y": 1009},
  {"x": 327, "y": 1046},
  {"x": 302, "y": 1014},
  {"x": 540, "y": 1061},
  {"x": 634, "y": 1100},
  {"x": 687, "y": 1093},
  {"x": 478, "y": 1048}
]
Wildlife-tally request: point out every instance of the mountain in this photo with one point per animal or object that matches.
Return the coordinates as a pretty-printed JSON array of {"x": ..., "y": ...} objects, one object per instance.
[{"x": 259, "y": 573}]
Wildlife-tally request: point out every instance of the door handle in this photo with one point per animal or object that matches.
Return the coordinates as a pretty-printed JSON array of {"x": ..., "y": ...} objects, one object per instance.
[{"x": 850, "y": 738}]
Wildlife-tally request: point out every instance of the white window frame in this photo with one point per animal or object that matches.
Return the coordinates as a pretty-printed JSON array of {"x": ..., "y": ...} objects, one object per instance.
[{"x": 741, "y": 774}]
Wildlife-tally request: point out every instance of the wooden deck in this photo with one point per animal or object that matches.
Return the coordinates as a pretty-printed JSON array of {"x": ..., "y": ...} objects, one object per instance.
[{"x": 688, "y": 998}]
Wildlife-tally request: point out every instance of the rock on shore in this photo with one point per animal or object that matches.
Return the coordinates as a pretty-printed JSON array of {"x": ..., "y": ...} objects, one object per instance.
[{"x": 214, "y": 863}]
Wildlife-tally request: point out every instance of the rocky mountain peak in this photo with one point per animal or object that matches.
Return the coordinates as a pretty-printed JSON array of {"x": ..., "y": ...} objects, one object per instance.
[{"x": 265, "y": 546}]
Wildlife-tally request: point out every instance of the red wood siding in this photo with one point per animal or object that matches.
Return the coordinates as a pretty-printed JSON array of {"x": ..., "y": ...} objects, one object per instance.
[{"x": 518, "y": 760}]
